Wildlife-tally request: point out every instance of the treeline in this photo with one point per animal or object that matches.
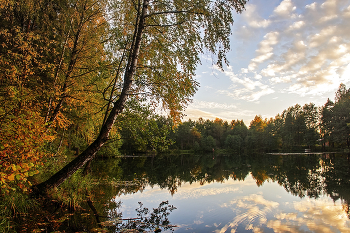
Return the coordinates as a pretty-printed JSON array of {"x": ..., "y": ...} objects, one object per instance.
[{"x": 295, "y": 129}]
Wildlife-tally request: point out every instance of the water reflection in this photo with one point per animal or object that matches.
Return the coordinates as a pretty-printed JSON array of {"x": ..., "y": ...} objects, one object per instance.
[
  {"x": 319, "y": 215},
  {"x": 232, "y": 193},
  {"x": 227, "y": 181},
  {"x": 302, "y": 175}
]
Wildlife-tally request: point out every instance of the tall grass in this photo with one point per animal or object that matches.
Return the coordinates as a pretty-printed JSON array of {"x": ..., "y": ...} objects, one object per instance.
[
  {"x": 74, "y": 191},
  {"x": 14, "y": 205}
]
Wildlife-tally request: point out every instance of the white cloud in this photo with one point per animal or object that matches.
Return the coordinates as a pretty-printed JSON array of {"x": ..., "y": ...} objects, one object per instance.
[
  {"x": 258, "y": 76},
  {"x": 316, "y": 215},
  {"x": 282, "y": 79},
  {"x": 245, "y": 88},
  {"x": 321, "y": 215},
  {"x": 211, "y": 105},
  {"x": 308, "y": 52},
  {"x": 285, "y": 47},
  {"x": 244, "y": 33},
  {"x": 346, "y": 72},
  {"x": 265, "y": 50},
  {"x": 253, "y": 18},
  {"x": 322, "y": 37},
  {"x": 192, "y": 113},
  {"x": 238, "y": 114},
  {"x": 346, "y": 12},
  {"x": 296, "y": 25},
  {"x": 251, "y": 210},
  {"x": 226, "y": 112},
  {"x": 246, "y": 94},
  {"x": 285, "y": 8},
  {"x": 244, "y": 70},
  {"x": 311, "y": 6},
  {"x": 195, "y": 193}
]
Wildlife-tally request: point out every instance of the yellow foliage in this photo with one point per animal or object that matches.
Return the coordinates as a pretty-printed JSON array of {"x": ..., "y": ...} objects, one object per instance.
[
  {"x": 21, "y": 149},
  {"x": 258, "y": 124},
  {"x": 47, "y": 60}
]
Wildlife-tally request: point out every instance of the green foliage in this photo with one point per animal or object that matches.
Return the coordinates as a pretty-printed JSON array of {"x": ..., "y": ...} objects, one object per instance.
[
  {"x": 233, "y": 142},
  {"x": 143, "y": 131},
  {"x": 196, "y": 146},
  {"x": 335, "y": 119},
  {"x": 208, "y": 143},
  {"x": 110, "y": 149},
  {"x": 185, "y": 138}
]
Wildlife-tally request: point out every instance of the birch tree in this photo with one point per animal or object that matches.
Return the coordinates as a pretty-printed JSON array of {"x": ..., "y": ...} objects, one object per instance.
[{"x": 157, "y": 44}]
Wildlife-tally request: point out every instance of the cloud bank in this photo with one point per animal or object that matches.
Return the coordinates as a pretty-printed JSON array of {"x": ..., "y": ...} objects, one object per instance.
[
  {"x": 283, "y": 52},
  {"x": 306, "y": 47}
]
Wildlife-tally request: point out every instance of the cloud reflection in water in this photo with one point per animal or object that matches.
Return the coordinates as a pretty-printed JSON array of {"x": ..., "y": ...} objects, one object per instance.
[{"x": 307, "y": 215}]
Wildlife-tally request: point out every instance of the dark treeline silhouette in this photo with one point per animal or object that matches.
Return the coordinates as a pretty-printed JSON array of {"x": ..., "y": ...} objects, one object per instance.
[{"x": 297, "y": 128}]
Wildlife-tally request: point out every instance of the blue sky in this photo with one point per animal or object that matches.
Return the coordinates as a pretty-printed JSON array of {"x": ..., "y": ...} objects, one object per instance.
[{"x": 282, "y": 53}]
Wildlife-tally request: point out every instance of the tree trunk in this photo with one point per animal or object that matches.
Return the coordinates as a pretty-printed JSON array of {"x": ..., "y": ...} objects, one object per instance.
[{"x": 58, "y": 178}]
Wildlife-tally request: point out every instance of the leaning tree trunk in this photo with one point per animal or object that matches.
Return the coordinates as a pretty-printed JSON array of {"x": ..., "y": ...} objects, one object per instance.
[{"x": 59, "y": 177}]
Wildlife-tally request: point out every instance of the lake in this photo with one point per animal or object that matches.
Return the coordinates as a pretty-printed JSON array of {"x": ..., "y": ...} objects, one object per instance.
[
  {"x": 217, "y": 193},
  {"x": 233, "y": 193}
]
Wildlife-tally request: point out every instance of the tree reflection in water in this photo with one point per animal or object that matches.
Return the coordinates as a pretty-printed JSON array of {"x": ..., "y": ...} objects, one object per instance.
[
  {"x": 337, "y": 179},
  {"x": 301, "y": 175}
]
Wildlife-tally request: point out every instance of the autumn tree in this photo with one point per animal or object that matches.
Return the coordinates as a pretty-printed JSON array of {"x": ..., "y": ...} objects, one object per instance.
[
  {"x": 52, "y": 57},
  {"x": 157, "y": 50},
  {"x": 25, "y": 70}
]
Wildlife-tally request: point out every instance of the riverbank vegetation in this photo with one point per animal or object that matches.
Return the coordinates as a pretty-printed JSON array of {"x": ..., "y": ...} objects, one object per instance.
[
  {"x": 84, "y": 78},
  {"x": 69, "y": 69}
]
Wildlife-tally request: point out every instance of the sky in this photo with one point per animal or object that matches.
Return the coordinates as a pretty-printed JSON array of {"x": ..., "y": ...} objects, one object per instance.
[{"x": 282, "y": 53}]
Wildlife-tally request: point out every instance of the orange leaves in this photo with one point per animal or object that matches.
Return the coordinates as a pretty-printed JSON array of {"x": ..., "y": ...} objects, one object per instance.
[
  {"x": 258, "y": 124},
  {"x": 62, "y": 121},
  {"x": 218, "y": 121},
  {"x": 40, "y": 71},
  {"x": 260, "y": 177},
  {"x": 21, "y": 149},
  {"x": 19, "y": 173},
  {"x": 195, "y": 133}
]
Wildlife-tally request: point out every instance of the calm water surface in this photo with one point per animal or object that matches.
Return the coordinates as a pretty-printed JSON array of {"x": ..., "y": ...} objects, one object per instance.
[
  {"x": 260, "y": 193},
  {"x": 211, "y": 193}
]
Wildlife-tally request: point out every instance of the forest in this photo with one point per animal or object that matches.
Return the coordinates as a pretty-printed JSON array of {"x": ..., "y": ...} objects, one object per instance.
[
  {"x": 75, "y": 72},
  {"x": 324, "y": 128},
  {"x": 82, "y": 79}
]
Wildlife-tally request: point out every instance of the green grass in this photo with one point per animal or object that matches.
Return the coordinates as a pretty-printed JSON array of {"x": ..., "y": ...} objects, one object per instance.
[
  {"x": 74, "y": 190},
  {"x": 13, "y": 205}
]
